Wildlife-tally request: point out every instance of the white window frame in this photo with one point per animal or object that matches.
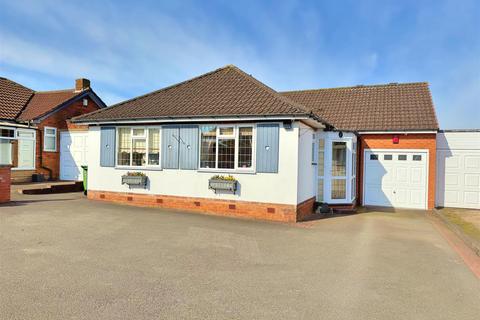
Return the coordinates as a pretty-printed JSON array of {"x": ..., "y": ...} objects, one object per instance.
[
  {"x": 34, "y": 139},
  {"x": 14, "y": 133},
  {"x": 45, "y": 135},
  {"x": 132, "y": 137},
  {"x": 236, "y": 137}
]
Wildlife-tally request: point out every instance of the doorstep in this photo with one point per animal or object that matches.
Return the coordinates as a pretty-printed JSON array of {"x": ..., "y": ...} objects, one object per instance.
[{"x": 47, "y": 187}]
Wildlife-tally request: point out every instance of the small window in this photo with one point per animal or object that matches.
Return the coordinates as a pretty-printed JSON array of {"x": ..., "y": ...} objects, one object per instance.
[
  {"x": 417, "y": 157},
  {"x": 387, "y": 157},
  {"x": 138, "y": 132},
  {"x": 7, "y": 133},
  {"x": 373, "y": 157},
  {"x": 402, "y": 157},
  {"x": 50, "y": 139},
  {"x": 226, "y": 131}
]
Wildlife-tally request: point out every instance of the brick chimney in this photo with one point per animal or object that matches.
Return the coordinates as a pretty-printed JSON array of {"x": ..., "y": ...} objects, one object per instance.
[{"x": 82, "y": 84}]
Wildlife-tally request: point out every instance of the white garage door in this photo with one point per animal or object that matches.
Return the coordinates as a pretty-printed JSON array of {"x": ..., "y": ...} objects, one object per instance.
[
  {"x": 458, "y": 169},
  {"x": 396, "y": 178},
  {"x": 73, "y": 154}
]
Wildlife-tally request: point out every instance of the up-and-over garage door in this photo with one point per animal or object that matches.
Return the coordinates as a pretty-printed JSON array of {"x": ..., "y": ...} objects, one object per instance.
[
  {"x": 458, "y": 169},
  {"x": 396, "y": 178}
]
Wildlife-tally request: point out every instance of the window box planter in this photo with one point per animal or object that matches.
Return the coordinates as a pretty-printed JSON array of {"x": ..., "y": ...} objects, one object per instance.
[
  {"x": 225, "y": 184},
  {"x": 134, "y": 180}
]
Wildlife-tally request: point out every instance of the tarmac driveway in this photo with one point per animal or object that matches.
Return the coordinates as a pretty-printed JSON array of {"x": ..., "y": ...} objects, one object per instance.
[{"x": 64, "y": 257}]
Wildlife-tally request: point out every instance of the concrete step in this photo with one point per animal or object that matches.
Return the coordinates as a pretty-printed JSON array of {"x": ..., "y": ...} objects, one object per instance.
[{"x": 47, "y": 188}]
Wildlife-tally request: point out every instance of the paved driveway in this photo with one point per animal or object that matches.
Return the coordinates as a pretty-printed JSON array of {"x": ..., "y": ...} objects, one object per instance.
[{"x": 63, "y": 257}]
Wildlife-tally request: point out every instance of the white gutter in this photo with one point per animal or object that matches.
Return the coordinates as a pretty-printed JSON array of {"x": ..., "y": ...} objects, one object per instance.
[
  {"x": 14, "y": 125},
  {"x": 203, "y": 119},
  {"x": 394, "y": 132}
]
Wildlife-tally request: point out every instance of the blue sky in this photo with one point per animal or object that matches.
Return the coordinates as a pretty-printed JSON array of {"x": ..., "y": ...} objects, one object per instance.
[{"x": 127, "y": 48}]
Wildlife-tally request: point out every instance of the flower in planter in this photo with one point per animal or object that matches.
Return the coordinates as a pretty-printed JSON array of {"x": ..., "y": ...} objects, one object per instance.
[
  {"x": 136, "y": 174},
  {"x": 225, "y": 178}
]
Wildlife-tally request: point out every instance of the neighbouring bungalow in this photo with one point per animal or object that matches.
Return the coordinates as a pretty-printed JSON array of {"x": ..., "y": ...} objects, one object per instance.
[
  {"x": 36, "y": 138},
  {"x": 225, "y": 143}
]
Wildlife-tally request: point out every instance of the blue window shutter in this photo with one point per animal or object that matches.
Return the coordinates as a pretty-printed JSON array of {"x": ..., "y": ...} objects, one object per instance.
[
  {"x": 189, "y": 147},
  {"x": 267, "y": 147},
  {"x": 107, "y": 146},
  {"x": 170, "y": 144}
]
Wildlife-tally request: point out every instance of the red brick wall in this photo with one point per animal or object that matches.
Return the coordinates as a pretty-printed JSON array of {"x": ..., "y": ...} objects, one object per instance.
[
  {"x": 60, "y": 121},
  {"x": 245, "y": 209},
  {"x": 408, "y": 141},
  {"x": 5, "y": 184}
]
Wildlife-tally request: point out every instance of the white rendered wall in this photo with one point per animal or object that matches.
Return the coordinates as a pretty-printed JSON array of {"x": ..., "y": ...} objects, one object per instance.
[
  {"x": 306, "y": 170},
  {"x": 278, "y": 187}
]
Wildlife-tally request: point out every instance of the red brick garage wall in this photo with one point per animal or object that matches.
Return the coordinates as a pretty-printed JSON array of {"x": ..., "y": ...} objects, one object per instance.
[
  {"x": 407, "y": 141},
  {"x": 4, "y": 184}
]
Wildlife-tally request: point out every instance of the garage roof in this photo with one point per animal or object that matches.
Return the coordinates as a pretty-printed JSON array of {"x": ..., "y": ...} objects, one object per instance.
[{"x": 385, "y": 107}]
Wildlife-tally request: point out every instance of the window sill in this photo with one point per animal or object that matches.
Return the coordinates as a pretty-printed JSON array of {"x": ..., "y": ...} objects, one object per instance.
[
  {"x": 139, "y": 168},
  {"x": 230, "y": 171}
]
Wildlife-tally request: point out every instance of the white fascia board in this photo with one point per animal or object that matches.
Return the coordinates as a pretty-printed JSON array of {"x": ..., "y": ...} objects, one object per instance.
[
  {"x": 15, "y": 125},
  {"x": 201, "y": 119},
  {"x": 396, "y": 132}
]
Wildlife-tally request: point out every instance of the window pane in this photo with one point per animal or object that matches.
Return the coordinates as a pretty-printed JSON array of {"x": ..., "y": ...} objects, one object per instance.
[
  {"x": 339, "y": 159},
  {"x": 154, "y": 147},
  {"x": 354, "y": 164},
  {"x": 417, "y": 157},
  {"x": 139, "y": 152},
  {"x": 373, "y": 157},
  {"x": 25, "y": 134},
  {"x": 321, "y": 157},
  {"x": 226, "y": 153},
  {"x": 208, "y": 146},
  {"x": 124, "y": 145},
  {"x": 50, "y": 143},
  {"x": 245, "y": 147},
  {"x": 226, "y": 131},
  {"x": 320, "y": 190},
  {"x": 7, "y": 133},
  {"x": 387, "y": 157},
  {"x": 339, "y": 189},
  {"x": 138, "y": 132},
  {"x": 402, "y": 157},
  {"x": 354, "y": 187},
  {"x": 5, "y": 151},
  {"x": 50, "y": 131}
]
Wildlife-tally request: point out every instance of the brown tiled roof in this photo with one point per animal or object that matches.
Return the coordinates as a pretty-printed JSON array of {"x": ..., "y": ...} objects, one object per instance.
[
  {"x": 13, "y": 98},
  {"x": 227, "y": 91},
  {"x": 43, "y": 102},
  {"x": 406, "y": 106}
]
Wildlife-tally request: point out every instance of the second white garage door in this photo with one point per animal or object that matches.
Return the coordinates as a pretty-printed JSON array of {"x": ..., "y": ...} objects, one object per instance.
[
  {"x": 73, "y": 154},
  {"x": 396, "y": 178}
]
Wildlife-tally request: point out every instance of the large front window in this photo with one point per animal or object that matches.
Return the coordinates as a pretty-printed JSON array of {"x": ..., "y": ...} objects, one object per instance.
[
  {"x": 226, "y": 147},
  {"x": 138, "y": 147}
]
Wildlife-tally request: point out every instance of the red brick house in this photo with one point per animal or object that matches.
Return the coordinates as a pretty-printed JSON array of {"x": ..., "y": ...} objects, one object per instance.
[{"x": 36, "y": 137}]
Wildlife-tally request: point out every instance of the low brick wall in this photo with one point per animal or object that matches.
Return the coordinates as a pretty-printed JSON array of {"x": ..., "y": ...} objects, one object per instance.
[
  {"x": 306, "y": 209},
  {"x": 5, "y": 181},
  {"x": 244, "y": 209}
]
